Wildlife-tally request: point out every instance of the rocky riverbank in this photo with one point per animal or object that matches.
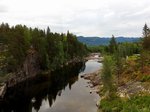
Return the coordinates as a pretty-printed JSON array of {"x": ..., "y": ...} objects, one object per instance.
[
  {"x": 123, "y": 91},
  {"x": 94, "y": 80},
  {"x": 29, "y": 71},
  {"x": 94, "y": 77}
]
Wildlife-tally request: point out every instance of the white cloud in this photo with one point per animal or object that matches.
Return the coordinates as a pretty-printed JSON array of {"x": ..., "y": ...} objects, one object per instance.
[{"x": 83, "y": 17}]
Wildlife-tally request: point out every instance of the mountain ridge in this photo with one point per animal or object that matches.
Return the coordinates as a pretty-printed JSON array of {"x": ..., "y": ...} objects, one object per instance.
[{"x": 95, "y": 41}]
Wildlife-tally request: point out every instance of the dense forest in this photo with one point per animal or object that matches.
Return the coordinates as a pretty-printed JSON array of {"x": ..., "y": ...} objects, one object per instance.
[{"x": 51, "y": 50}]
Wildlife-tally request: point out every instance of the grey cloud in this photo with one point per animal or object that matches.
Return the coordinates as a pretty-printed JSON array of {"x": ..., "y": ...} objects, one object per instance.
[
  {"x": 118, "y": 17},
  {"x": 3, "y": 9}
]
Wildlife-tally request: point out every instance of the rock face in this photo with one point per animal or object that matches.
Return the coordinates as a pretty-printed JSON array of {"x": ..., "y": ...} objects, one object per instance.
[
  {"x": 3, "y": 88},
  {"x": 31, "y": 64},
  {"x": 30, "y": 69}
]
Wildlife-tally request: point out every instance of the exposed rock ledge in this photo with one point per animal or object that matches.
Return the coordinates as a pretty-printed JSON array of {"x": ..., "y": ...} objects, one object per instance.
[
  {"x": 132, "y": 88},
  {"x": 124, "y": 91},
  {"x": 2, "y": 90},
  {"x": 94, "y": 81}
]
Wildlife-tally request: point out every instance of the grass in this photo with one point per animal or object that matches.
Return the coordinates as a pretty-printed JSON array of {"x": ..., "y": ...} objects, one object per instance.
[
  {"x": 135, "y": 104},
  {"x": 145, "y": 78},
  {"x": 113, "y": 105}
]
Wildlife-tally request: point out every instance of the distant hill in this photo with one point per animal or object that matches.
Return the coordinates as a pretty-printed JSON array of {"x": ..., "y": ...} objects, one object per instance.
[{"x": 105, "y": 40}]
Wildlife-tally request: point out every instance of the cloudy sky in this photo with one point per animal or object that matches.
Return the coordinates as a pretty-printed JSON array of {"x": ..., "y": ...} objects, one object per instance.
[{"x": 82, "y": 17}]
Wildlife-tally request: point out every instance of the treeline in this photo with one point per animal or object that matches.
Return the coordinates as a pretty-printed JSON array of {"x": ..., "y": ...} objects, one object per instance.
[
  {"x": 124, "y": 48},
  {"x": 53, "y": 49}
]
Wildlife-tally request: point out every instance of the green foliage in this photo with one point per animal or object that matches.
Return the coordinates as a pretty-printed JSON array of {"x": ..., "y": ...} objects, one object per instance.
[
  {"x": 145, "y": 78},
  {"x": 112, "y": 45},
  {"x": 17, "y": 46},
  {"x": 128, "y": 49},
  {"x": 113, "y": 105},
  {"x": 124, "y": 49},
  {"x": 135, "y": 104},
  {"x": 120, "y": 54},
  {"x": 53, "y": 49},
  {"x": 128, "y": 59},
  {"x": 146, "y": 30},
  {"x": 145, "y": 51},
  {"x": 146, "y": 35},
  {"x": 101, "y": 49},
  {"x": 107, "y": 77}
]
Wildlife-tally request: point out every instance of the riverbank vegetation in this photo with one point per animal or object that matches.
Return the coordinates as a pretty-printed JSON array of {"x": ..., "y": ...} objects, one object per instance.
[
  {"x": 126, "y": 76},
  {"x": 21, "y": 47}
]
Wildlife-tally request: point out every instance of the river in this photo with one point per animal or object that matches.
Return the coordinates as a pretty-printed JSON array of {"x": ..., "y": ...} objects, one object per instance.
[{"x": 61, "y": 91}]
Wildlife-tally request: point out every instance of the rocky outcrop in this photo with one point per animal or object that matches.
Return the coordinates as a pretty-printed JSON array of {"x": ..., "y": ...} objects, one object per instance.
[
  {"x": 29, "y": 70},
  {"x": 95, "y": 80},
  {"x": 132, "y": 88},
  {"x": 3, "y": 88},
  {"x": 31, "y": 65},
  {"x": 74, "y": 61},
  {"x": 93, "y": 56},
  {"x": 94, "y": 77}
]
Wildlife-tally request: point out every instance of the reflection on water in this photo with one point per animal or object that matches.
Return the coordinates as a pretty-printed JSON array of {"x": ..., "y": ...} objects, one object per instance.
[
  {"x": 91, "y": 66},
  {"x": 61, "y": 91}
]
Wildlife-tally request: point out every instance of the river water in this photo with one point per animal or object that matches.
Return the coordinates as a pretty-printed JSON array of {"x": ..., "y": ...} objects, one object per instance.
[{"x": 61, "y": 91}]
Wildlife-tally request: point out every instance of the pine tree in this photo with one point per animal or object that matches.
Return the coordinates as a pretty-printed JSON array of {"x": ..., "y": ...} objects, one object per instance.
[
  {"x": 145, "y": 47},
  {"x": 112, "y": 45},
  {"x": 146, "y": 35},
  {"x": 107, "y": 77},
  {"x": 146, "y": 30},
  {"x": 48, "y": 31}
]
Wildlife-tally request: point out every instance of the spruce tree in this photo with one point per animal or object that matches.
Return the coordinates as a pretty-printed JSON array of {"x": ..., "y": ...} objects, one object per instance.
[
  {"x": 146, "y": 37},
  {"x": 112, "y": 45}
]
